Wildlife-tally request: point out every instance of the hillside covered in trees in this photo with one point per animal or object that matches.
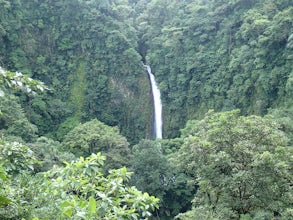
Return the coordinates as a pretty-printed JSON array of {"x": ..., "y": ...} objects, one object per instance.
[{"x": 73, "y": 85}]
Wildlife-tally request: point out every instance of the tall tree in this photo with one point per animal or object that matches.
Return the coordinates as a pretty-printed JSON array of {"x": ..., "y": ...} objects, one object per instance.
[
  {"x": 93, "y": 137},
  {"x": 154, "y": 173},
  {"x": 242, "y": 166}
]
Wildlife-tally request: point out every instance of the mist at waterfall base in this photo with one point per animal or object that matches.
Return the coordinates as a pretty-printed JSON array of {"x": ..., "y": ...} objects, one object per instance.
[{"x": 157, "y": 104}]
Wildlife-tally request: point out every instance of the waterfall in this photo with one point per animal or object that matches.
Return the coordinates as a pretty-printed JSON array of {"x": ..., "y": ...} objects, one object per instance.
[{"x": 158, "y": 120}]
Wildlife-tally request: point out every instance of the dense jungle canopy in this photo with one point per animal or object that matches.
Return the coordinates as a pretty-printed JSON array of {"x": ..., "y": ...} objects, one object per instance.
[{"x": 73, "y": 88}]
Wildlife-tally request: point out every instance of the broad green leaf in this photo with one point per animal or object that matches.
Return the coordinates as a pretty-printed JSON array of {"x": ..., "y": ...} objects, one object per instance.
[{"x": 92, "y": 205}]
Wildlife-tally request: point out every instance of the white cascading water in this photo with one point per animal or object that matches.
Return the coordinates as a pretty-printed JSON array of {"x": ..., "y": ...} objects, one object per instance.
[{"x": 158, "y": 119}]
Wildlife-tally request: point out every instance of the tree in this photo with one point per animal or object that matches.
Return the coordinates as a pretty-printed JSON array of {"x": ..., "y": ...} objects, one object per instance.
[
  {"x": 150, "y": 167},
  {"x": 16, "y": 160},
  {"x": 154, "y": 173},
  {"x": 49, "y": 154},
  {"x": 12, "y": 117},
  {"x": 81, "y": 191},
  {"x": 17, "y": 80},
  {"x": 94, "y": 136},
  {"x": 241, "y": 165}
]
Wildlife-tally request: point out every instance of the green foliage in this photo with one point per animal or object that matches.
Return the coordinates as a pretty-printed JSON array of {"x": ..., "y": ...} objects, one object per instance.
[
  {"x": 16, "y": 160},
  {"x": 284, "y": 117},
  {"x": 76, "y": 47},
  {"x": 239, "y": 165},
  {"x": 205, "y": 54},
  {"x": 19, "y": 81},
  {"x": 43, "y": 112},
  {"x": 150, "y": 167},
  {"x": 16, "y": 157},
  {"x": 12, "y": 117},
  {"x": 49, "y": 154},
  {"x": 158, "y": 176},
  {"x": 4, "y": 200},
  {"x": 217, "y": 54},
  {"x": 78, "y": 191},
  {"x": 65, "y": 127},
  {"x": 94, "y": 136},
  {"x": 171, "y": 146},
  {"x": 78, "y": 90},
  {"x": 81, "y": 191},
  {"x": 13, "y": 120}
]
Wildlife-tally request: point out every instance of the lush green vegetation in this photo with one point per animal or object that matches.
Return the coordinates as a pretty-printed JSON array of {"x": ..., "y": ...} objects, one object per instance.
[
  {"x": 241, "y": 165},
  {"x": 73, "y": 91},
  {"x": 219, "y": 55}
]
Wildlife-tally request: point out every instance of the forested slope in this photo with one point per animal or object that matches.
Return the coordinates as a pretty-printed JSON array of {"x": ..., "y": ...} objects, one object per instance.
[
  {"x": 219, "y": 54},
  {"x": 205, "y": 54},
  {"x": 86, "y": 51}
]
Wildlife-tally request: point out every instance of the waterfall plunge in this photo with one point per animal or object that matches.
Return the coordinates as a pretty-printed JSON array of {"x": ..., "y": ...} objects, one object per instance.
[{"x": 158, "y": 120}]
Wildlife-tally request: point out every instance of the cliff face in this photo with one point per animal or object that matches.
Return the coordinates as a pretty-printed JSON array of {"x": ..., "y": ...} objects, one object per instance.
[
  {"x": 205, "y": 55},
  {"x": 87, "y": 53},
  {"x": 219, "y": 55}
]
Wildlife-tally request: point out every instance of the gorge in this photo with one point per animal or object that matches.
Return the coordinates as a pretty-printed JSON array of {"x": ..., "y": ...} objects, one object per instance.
[{"x": 181, "y": 100}]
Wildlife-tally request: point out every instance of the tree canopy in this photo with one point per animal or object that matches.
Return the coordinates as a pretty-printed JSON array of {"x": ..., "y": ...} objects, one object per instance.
[
  {"x": 242, "y": 166},
  {"x": 94, "y": 136}
]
